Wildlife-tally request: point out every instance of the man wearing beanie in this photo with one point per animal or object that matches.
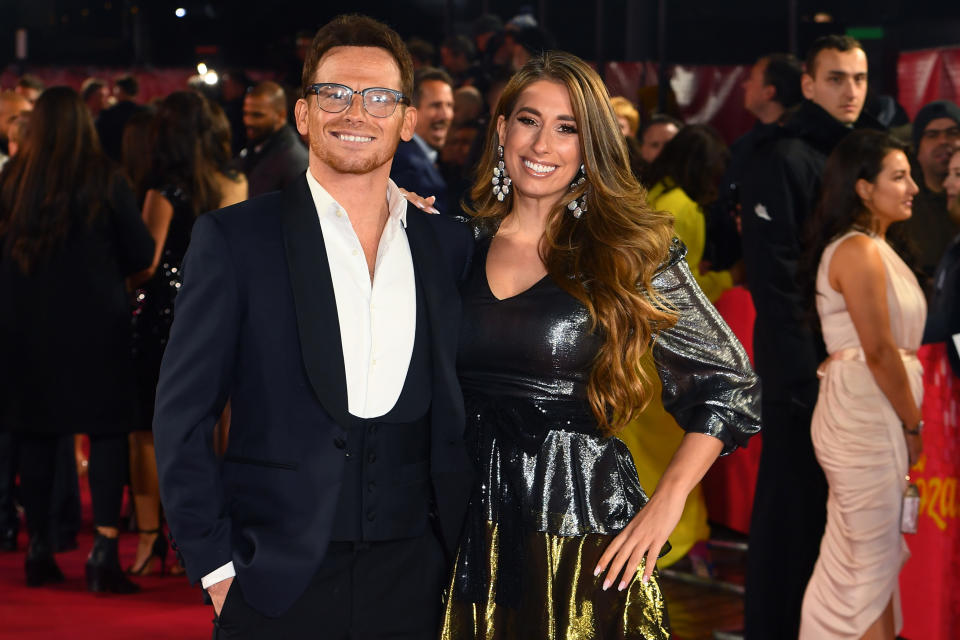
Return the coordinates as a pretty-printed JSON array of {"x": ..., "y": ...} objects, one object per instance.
[{"x": 936, "y": 131}]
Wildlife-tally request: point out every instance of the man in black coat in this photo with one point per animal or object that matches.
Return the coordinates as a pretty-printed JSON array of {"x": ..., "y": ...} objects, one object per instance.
[
  {"x": 112, "y": 120},
  {"x": 779, "y": 191},
  {"x": 327, "y": 314},
  {"x": 274, "y": 156},
  {"x": 769, "y": 92},
  {"x": 415, "y": 167}
]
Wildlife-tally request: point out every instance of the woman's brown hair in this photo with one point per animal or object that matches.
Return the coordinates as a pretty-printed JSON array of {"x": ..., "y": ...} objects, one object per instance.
[
  {"x": 606, "y": 258},
  {"x": 58, "y": 179},
  {"x": 182, "y": 144}
]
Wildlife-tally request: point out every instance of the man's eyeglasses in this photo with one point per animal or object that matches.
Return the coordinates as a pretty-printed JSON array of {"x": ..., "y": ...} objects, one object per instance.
[{"x": 377, "y": 101}]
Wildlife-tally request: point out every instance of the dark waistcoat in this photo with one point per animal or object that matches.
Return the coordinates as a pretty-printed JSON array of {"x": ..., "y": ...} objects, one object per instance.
[{"x": 385, "y": 493}]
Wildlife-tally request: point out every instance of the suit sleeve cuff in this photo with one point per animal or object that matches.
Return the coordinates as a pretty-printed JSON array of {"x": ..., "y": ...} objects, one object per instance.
[{"x": 218, "y": 575}]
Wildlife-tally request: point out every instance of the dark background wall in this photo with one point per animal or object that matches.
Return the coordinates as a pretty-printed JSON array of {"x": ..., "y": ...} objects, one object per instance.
[{"x": 260, "y": 34}]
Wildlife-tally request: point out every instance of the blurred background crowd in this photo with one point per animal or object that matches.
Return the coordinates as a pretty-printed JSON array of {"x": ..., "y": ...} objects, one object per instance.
[{"x": 142, "y": 162}]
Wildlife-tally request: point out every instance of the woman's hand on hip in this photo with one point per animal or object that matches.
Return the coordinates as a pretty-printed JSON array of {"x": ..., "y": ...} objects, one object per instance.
[{"x": 643, "y": 537}]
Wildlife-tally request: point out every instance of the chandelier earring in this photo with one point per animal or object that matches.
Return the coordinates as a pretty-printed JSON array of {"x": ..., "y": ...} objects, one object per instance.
[
  {"x": 501, "y": 181},
  {"x": 578, "y": 206}
]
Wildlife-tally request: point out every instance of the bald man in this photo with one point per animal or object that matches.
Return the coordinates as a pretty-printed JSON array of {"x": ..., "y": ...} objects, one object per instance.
[
  {"x": 11, "y": 106},
  {"x": 274, "y": 155}
]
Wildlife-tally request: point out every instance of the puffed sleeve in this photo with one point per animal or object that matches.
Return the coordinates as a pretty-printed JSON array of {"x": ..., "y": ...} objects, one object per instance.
[{"x": 708, "y": 384}]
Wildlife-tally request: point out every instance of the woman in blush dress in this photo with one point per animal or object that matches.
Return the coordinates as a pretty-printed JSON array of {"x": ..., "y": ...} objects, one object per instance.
[
  {"x": 574, "y": 280},
  {"x": 867, "y": 421}
]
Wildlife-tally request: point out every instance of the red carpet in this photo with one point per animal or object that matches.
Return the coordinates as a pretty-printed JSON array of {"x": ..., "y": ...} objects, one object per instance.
[{"x": 166, "y": 607}]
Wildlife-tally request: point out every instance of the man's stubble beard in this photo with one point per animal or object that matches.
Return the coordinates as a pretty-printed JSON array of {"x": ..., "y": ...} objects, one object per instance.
[{"x": 356, "y": 163}]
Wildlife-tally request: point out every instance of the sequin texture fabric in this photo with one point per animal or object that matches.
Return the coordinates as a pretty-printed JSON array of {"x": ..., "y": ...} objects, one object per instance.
[{"x": 552, "y": 490}]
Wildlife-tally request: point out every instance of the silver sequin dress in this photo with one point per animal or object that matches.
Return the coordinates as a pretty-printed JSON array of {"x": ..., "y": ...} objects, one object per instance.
[{"x": 552, "y": 491}]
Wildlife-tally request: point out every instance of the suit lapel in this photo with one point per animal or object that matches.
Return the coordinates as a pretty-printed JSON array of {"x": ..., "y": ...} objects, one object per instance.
[
  {"x": 316, "y": 306},
  {"x": 440, "y": 296}
]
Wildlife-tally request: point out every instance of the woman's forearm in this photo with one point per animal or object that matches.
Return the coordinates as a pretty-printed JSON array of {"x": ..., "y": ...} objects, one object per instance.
[
  {"x": 691, "y": 461},
  {"x": 886, "y": 365}
]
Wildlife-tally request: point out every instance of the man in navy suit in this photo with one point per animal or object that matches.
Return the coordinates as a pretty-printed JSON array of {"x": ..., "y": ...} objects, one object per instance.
[
  {"x": 415, "y": 165},
  {"x": 327, "y": 313}
]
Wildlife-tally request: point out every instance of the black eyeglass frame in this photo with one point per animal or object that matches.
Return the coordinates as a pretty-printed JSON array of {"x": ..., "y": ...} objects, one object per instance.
[{"x": 400, "y": 96}]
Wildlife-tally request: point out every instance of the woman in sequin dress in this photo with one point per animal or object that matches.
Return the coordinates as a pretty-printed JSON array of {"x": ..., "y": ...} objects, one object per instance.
[
  {"x": 867, "y": 420},
  {"x": 188, "y": 177},
  {"x": 574, "y": 279}
]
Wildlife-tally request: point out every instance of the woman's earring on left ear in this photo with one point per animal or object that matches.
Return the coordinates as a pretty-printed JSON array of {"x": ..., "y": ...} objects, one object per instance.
[
  {"x": 578, "y": 206},
  {"x": 501, "y": 181}
]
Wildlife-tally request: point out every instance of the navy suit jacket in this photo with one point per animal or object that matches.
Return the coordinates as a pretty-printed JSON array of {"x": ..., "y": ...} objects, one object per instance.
[
  {"x": 413, "y": 171},
  {"x": 256, "y": 322}
]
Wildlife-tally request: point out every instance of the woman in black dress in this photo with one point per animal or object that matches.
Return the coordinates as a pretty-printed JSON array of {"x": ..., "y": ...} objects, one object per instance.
[
  {"x": 574, "y": 279},
  {"x": 70, "y": 233},
  {"x": 188, "y": 177}
]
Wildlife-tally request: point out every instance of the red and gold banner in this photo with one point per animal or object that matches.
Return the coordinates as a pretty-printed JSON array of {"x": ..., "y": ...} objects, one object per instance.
[{"x": 930, "y": 581}]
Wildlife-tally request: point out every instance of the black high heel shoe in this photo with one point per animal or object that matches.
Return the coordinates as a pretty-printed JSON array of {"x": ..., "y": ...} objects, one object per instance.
[
  {"x": 104, "y": 574},
  {"x": 40, "y": 566},
  {"x": 158, "y": 551}
]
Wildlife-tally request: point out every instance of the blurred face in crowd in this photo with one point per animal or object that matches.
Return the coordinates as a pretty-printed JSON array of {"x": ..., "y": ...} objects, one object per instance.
[
  {"x": 951, "y": 184},
  {"x": 936, "y": 145},
  {"x": 30, "y": 94},
  {"x": 756, "y": 92},
  {"x": 838, "y": 83},
  {"x": 434, "y": 112},
  {"x": 11, "y": 106},
  {"x": 458, "y": 145},
  {"x": 353, "y": 141},
  {"x": 889, "y": 198},
  {"x": 98, "y": 101},
  {"x": 541, "y": 142},
  {"x": 260, "y": 118},
  {"x": 624, "y": 125},
  {"x": 654, "y": 138}
]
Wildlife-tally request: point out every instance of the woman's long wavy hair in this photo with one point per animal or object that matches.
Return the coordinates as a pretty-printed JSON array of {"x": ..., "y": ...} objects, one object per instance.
[
  {"x": 606, "y": 258},
  {"x": 859, "y": 156},
  {"x": 185, "y": 149},
  {"x": 59, "y": 178}
]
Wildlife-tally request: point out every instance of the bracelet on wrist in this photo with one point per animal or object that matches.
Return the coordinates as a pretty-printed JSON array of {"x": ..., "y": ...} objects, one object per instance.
[{"x": 916, "y": 431}]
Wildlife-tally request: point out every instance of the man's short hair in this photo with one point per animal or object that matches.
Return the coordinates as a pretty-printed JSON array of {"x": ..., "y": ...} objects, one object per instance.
[
  {"x": 272, "y": 92},
  {"x": 783, "y": 74},
  {"x": 30, "y": 81},
  {"x": 91, "y": 86},
  {"x": 358, "y": 31},
  {"x": 833, "y": 41},
  {"x": 422, "y": 50},
  {"x": 461, "y": 45},
  {"x": 128, "y": 83},
  {"x": 429, "y": 74},
  {"x": 660, "y": 118}
]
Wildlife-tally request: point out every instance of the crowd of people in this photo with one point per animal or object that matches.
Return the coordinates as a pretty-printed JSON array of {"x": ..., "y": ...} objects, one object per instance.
[{"x": 131, "y": 314}]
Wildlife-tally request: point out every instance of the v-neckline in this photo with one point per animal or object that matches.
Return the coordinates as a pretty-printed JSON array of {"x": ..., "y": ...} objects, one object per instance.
[{"x": 486, "y": 279}]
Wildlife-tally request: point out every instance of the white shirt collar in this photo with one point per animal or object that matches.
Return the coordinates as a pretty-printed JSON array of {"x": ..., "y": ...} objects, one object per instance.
[
  {"x": 427, "y": 149},
  {"x": 326, "y": 205}
]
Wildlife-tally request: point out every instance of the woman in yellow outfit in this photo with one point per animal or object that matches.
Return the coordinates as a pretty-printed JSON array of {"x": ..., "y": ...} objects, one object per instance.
[{"x": 684, "y": 182}]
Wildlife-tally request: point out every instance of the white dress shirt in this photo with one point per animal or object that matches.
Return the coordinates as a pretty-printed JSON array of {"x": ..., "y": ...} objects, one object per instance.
[{"x": 377, "y": 320}]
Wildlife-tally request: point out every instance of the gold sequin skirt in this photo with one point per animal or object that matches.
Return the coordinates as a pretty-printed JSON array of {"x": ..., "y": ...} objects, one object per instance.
[{"x": 561, "y": 599}]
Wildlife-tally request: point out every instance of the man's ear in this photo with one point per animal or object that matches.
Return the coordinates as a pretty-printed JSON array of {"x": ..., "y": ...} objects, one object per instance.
[
  {"x": 806, "y": 85},
  {"x": 409, "y": 123},
  {"x": 301, "y": 113}
]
